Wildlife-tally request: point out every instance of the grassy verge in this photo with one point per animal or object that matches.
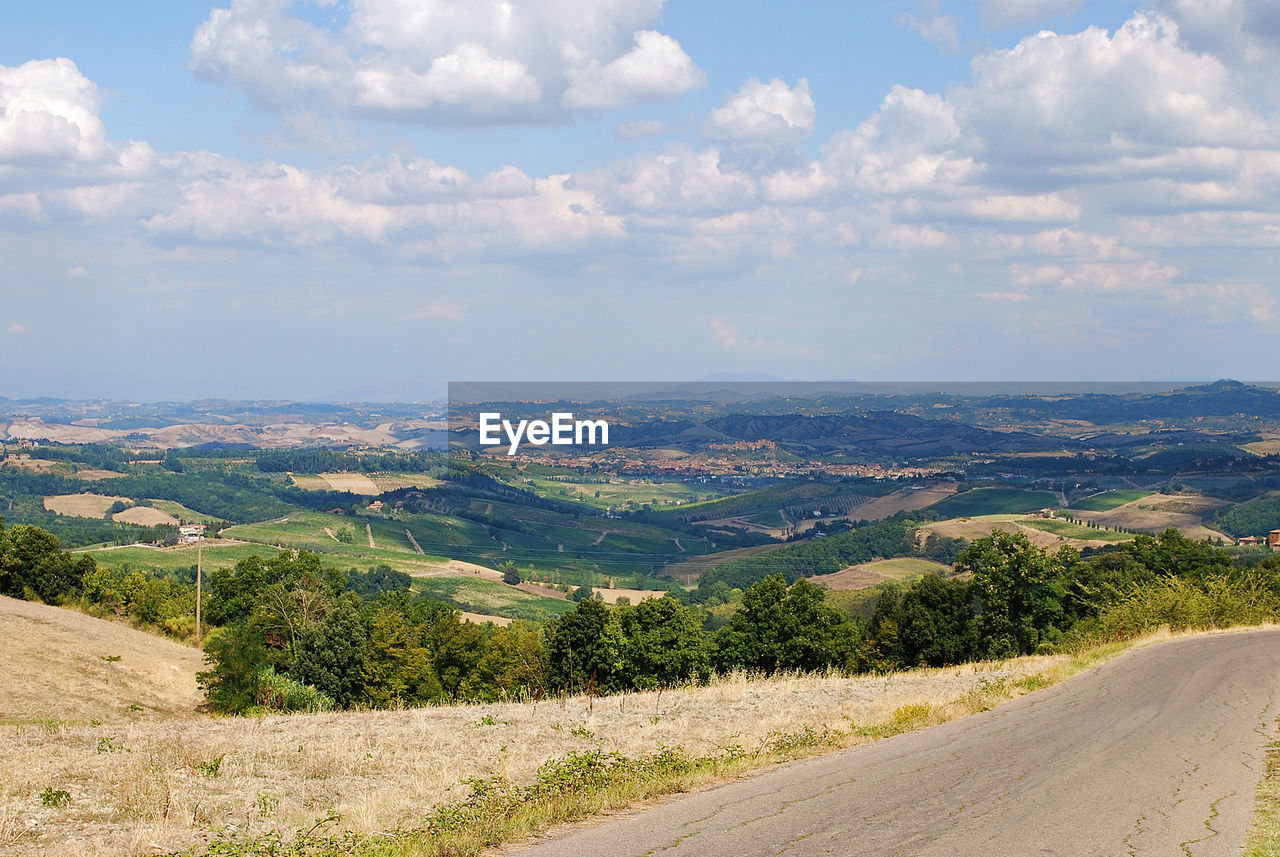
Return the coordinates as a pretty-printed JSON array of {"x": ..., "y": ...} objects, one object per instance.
[
  {"x": 1264, "y": 837},
  {"x": 588, "y": 783}
]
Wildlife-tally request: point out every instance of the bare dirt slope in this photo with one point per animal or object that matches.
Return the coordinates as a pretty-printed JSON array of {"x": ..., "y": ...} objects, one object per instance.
[{"x": 60, "y": 664}]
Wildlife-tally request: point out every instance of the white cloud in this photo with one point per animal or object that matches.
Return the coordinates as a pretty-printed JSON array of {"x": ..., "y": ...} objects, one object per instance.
[
  {"x": 722, "y": 333},
  {"x": 14, "y": 327},
  {"x": 78, "y": 271},
  {"x": 49, "y": 113},
  {"x": 1062, "y": 99},
  {"x": 938, "y": 29},
  {"x": 440, "y": 310},
  {"x": 911, "y": 144},
  {"x": 771, "y": 113},
  {"x": 1012, "y": 297},
  {"x": 656, "y": 68},
  {"x": 449, "y": 61},
  {"x": 468, "y": 76}
]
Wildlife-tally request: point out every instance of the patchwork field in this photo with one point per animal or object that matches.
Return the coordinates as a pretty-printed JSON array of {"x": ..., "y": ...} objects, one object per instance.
[
  {"x": 635, "y": 596},
  {"x": 690, "y": 570},
  {"x": 995, "y": 501},
  {"x": 616, "y": 492},
  {"x": 354, "y": 483},
  {"x": 907, "y": 500},
  {"x": 1157, "y": 512},
  {"x": 491, "y": 598},
  {"x": 1109, "y": 500},
  {"x": 985, "y": 525},
  {"x": 217, "y": 553},
  {"x": 186, "y": 515},
  {"x": 82, "y": 505}
]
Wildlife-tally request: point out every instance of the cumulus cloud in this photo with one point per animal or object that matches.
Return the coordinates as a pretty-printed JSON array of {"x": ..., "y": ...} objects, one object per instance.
[
  {"x": 771, "y": 113},
  {"x": 1066, "y": 99},
  {"x": 911, "y": 144},
  {"x": 656, "y": 68},
  {"x": 451, "y": 61},
  {"x": 49, "y": 113}
]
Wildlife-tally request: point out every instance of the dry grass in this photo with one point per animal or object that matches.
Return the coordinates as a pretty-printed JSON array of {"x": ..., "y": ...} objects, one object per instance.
[
  {"x": 62, "y": 665},
  {"x": 635, "y": 596},
  {"x": 94, "y": 474},
  {"x": 396, "y": 481},
  {"x": 23, "y": 461},
  {"x": 356, "y": 483},
  {"x": 481, "y": 618},
  {"x": 146, "y": 516},
  {"x": 138, "y": 787},
  {"x": 82, "y": 505},
  {"x": 869, "y": 574},
  {"x": 985, "y": 525},
  {"x": 906, "y": 500},
  {"x": 1264, "y": 837},
  {"x": 148, "y": 782}
]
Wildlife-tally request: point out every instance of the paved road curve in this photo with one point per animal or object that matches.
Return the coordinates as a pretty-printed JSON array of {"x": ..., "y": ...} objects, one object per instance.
[{"x": 1156, "y": 753}]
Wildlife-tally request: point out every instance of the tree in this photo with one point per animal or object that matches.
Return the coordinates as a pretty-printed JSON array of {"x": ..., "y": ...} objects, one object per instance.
[
  {"x": 580, "y": 648},
  {"x": 1020, "y": 591},
  {"x": 510, "y": 573},
  {"x": 236, "y": 658},
  {"x": 936, "y": 624},
  {"x": 780, "y": 628},
  {"x": 331, "y": 654},
  {"x": 662, "y": 642}
]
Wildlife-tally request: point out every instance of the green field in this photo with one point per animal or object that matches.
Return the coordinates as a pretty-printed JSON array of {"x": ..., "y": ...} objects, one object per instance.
[
  {"x": 1069, "y": 530},
  {"x": 214, "y": 555},
  {"x": 994, "y": 501},
  {"x": 614, "y": 492},
  {"x": 491, "y": 598},
  {"x": 1109, "y": 500}
]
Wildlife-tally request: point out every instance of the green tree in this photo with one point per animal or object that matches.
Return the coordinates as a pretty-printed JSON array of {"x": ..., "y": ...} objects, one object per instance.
[
  {"x": 662, "y": 642},
  {"x": 1020, "y": 590},
  {"x": 236, "y": 658},
  {"x": 936, "y": 623},
  {"x": 786, "y": 629},
  {"x": 581, "y": 648},
  {"x": 331, "y": 654}
]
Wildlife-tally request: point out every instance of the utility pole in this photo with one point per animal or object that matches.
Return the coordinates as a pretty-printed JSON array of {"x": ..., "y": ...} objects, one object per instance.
[{"x": 199, "y": 549}]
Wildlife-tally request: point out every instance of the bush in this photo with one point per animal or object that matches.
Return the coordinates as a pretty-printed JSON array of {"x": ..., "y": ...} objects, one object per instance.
[{"x": 281, "y": 694}]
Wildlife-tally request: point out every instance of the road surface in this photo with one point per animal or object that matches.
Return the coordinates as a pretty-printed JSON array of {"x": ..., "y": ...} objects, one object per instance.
[{"x": 1155, "y": 753}]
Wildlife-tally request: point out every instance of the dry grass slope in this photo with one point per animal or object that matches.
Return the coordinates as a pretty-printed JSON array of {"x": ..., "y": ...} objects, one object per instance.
[
  {"x": 138, "y": 782},
  {"x": 63, "y": 665}
]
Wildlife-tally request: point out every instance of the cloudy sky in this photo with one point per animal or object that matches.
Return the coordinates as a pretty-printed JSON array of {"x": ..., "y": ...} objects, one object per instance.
[{"x": 363, "y": 199}]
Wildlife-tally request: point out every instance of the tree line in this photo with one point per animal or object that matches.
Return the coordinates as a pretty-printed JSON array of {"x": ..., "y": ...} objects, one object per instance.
[{"x": 293, "y": 634}]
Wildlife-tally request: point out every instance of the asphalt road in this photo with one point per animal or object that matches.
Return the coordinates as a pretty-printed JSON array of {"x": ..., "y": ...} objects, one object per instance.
[{"x": 1155, "y": 753}]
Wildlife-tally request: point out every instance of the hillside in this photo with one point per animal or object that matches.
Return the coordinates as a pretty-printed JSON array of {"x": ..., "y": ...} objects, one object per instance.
[{"x": 62, "y": 665}]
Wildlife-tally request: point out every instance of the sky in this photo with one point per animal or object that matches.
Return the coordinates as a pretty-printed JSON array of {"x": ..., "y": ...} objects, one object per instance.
[{"x": 364, "y": 199}]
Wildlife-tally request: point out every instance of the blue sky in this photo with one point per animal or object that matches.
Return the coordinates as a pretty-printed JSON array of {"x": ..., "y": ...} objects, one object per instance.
[{"x": 366, "y": 198}]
